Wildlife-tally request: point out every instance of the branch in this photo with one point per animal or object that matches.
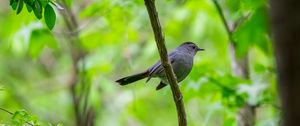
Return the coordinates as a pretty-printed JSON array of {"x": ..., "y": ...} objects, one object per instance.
[
  {"x": 6, "y": 111},
  {"x": 160, "y": 43},
  {"x": 12, "y": 114},
  {"x": 225, "y": 23}
]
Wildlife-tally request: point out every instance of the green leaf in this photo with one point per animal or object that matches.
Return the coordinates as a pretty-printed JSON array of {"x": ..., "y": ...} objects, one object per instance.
[
  {"x": 233, "y": 5},
  {"x": 20, "y": 117},
  {"x": 29, "y": 8},
  {"x": 11, "y": 2},
  {"x": 37, "y": 9},
  {"x": 44, "y": 3},
  {"x": 39, "y": 39},
  {"x": 30, "y": 2},
  {"x": 14, "y": 5},
  {"x": 254, "y": 31},
  {"x": 50, "y": 16},
  {"x": 20, "y": 6}
]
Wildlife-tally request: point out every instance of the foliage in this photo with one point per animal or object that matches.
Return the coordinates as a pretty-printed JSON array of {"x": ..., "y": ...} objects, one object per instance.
[
  {"x": 21, "y": 117},
  {"x": 38, "y": 7},
  {"x": 117, "y": 39}
]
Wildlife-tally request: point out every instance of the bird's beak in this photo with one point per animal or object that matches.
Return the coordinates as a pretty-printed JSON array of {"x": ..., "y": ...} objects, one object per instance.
[{"x": 200, "y": 49}]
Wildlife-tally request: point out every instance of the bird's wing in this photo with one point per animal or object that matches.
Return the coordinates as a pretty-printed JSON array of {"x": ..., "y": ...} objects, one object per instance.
[{"x": 158, "y": 68}]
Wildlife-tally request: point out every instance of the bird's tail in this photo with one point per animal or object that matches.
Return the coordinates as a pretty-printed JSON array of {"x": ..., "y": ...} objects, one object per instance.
[{"x": 132, "y": 78}]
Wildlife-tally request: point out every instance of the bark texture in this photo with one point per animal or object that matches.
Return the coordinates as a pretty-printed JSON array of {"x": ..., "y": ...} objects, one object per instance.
[
  {"x": 160, "y": 42},
  {"x": 285, "y": 17}
]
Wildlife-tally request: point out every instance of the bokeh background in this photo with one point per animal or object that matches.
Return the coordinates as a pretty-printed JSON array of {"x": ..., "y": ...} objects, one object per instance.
[{"x": 67, "y": 74}]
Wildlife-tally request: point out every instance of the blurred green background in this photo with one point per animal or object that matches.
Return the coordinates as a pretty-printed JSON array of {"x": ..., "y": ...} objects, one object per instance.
[{"x": 114, "y": 38}]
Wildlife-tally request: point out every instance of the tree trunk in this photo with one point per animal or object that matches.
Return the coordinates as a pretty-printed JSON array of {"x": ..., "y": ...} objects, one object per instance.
[
  {"x": 246, "y": 115},
  {"x": 285, "y": 17}
]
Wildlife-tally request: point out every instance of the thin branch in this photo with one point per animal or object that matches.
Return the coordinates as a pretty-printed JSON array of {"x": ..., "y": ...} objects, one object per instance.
[
  {"x": 226, "y": 24},
  {"x": 160, "y": 43},
  {"x": 6, "y": 111},
  {"x": 12, "y": 114},
  {"x": 240, "y": 21},
  {"x": 224, "y": 21}
]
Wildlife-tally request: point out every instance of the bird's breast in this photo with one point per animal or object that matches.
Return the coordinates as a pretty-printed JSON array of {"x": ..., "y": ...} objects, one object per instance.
[{"x": 182, "y": 66}]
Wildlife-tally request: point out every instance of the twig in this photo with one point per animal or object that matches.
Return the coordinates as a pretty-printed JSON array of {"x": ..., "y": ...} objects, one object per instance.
[
  {"x": 6, "y": 111},
  {"x": 160, "y": 43},
  {"x": 12, "y": 114},
  {"x": 225, "y": 23}
]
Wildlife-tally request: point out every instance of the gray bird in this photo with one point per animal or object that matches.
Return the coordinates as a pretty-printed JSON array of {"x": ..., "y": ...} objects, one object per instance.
[{"x": 181, "y": 58}]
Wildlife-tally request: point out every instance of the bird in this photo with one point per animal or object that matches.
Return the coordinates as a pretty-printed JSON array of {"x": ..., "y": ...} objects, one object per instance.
[{"x": 181, "y": 59}]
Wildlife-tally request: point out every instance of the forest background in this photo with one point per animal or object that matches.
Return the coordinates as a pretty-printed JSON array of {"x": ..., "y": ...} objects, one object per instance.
[{"x": 66, "y": 75}]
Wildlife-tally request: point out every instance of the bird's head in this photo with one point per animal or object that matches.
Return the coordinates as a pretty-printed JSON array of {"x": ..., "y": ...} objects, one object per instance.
[{"x": 190, "y": 47}]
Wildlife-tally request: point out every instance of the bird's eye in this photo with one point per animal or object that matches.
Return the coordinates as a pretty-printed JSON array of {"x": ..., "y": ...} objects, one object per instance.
[{"x": 193, "y": 47}]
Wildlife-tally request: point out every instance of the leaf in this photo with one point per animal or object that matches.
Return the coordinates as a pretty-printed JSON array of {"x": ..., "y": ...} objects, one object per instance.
[
  {"x": 29, "y": 8},
  {"x": 39, "y": 39},
  {"x": 50, "y": 16},
  {"x": 20, "y": 117},
  {"x": 37, "y": 9},
  {"x": 254, "y": 31},
  {"x": 30, "y": 2},
  {"x": 11, "y": 2},
  {"x": 20, "y": 6},
  {"x": 233, "y": 5},
  {"x": 14, "y": 5}
]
